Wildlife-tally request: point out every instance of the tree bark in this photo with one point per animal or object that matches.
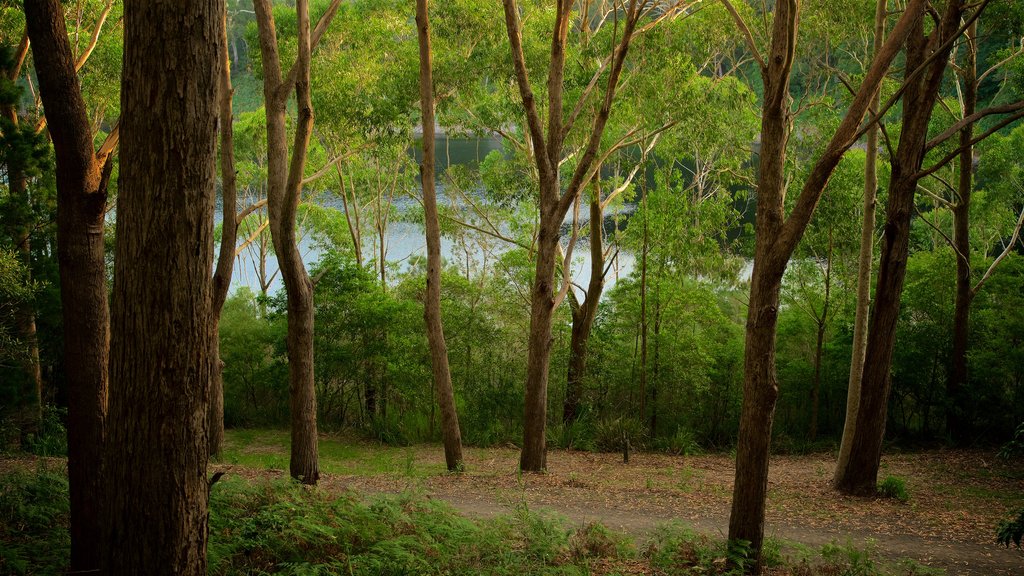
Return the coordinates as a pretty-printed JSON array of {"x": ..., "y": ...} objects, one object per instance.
[
  {"x": 864, "y": 260},
  {"x": 82, "y": 178},
  {"x": 226, "y": 257},
  {"x": 432, "y": 306},
  {"x": 160, "y": 346},
  {"x": 860, "y": 475},
  {"x": 542, "y": 308},
  {"x": 776, "y": 239},
  {"x": 956, "y": 422},
  {"x": 553, "y": 203},
  {"x": 284, "y": 186},
  {"x": 583, "y": 315}
]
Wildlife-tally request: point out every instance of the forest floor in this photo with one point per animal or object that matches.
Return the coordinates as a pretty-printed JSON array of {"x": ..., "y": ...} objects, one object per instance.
[{"x": 956, "y": 497}]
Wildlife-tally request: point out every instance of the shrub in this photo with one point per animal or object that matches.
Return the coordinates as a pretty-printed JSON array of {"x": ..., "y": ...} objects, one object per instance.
[
  {"x": 34, "y": 532},
  {"x": 52, "y": 437},
  {"x": 1015, "y": 447},
  {"x": 894, "y": 487},
  {"x": 1011, "y": 530},
  {"x": 610, "y": 435}
]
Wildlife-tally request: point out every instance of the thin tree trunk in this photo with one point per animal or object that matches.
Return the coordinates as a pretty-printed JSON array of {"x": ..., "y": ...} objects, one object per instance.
[
  {"x": 584, "y": 315},
  {"x": 160, "y": 347},
  {"x": 956, "y": 422},
  {"x": 82, "y": 178},
  {"x": 644, "y": 251},
  {"x": 226, "y": 257},
  {"x": 860, "y": 475},
  {"x": 432, "y": 307},
  {"x": 864, "y": 260},
  {"x": 819, "y": 346}
]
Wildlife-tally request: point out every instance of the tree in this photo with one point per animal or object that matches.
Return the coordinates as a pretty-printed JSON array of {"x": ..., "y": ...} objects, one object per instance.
[
  {"x": 432, "y": 307},
  {"x": 776, "y": 238},
  {"x": 284, "y": 186},
  {"x": 554, "y": 203},
  {"x": 865, "y": 258},
  {"x": 82, "y": 177},
  {"x": 160, "y": 349},
  {"x": 927, "y": 58}
]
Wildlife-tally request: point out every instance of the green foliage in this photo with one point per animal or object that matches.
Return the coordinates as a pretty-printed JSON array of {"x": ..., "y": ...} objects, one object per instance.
[
  {"x": 51, "y": 439},
  {"x": 34, "y": 532},
  {"x": 287, "y": 529},
  {"x": 1015, "y": 447},
  {"x": 612, "y": 435},
  {"x": 1011, "y": 530},
  {"x": 894, "y": 487}
]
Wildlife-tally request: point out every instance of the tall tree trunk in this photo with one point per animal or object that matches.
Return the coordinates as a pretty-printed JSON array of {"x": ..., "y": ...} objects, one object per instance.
[
  {"x": 776, "y": 239},
  {"x": 583, "y": 316},
  {"x": 226, "y": 257},
  {"x": 82, "y": 178},
  {"x": 542, "y": 309},
  {"x": 284, "y": 188},
  {"x": 861, "y": 472},
  {"x": 864, "y": 260},
  {"x": 432, "y": 307},
  {"x": 553, "y": 203},
  {"x": 956, "y": 422},
  {"x": 160, "y": 346},
  {"x": 645, "y": 250}
]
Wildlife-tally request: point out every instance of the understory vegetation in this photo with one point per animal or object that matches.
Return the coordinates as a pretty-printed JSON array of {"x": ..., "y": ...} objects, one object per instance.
[{"x": 281, "y": 527}]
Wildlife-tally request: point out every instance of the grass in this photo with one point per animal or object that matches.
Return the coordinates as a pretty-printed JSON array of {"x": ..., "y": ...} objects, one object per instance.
[
  {"x": 268, "y": 449},
  {"x": 279, "y": 527}
]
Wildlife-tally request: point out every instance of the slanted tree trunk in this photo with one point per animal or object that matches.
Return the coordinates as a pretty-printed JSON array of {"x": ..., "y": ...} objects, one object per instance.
[
  {"x": 284, "y": 186},
  {"x": 584, "y": 314},
  {"x": 861, "y": 472},
  {"x": 82, "y": 178},
  {"x": 864, "y": 260},
  {"x": 955, "y": 398},
  {"x": 776, "y": 239},
  {"x": 160, "y": 333},
  {"x": 226, "y": 256},
  {"x": 432, "y": 306}
]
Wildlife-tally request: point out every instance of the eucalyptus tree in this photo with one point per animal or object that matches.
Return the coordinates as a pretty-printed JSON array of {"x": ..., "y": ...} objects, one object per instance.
[
  {"x": 547, "y": 149},
  {"x": 865, "y": 258},
  {"x": 432, "y": 307},
  {"x": 284, "y": 186},
  {"x": 83, "y": 174},
  {"x": 23, "y": 119},
  {"x": 703, "y": 115},
  {"x": 156, "y": 500},
  {"x": 927, "y": 61},
  {"x": 776, "y": 238},
  {"x": 970, "y": 82}
]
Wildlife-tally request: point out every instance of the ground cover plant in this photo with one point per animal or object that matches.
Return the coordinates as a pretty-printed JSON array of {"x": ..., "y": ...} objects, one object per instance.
[{"x": 276, "y": 526}]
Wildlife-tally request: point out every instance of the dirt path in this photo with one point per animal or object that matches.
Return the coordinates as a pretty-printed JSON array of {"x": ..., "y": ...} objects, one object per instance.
[{"x": 956, "y": 498}]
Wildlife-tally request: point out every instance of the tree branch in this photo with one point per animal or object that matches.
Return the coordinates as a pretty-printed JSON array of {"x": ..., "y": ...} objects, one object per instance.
[
  {"x": 747, "y": 36},
  {"x": 971, "y": 119}
]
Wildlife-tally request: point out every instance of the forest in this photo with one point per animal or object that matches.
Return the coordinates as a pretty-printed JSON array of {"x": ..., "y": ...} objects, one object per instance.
[{"x": 530, "y": 286}]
